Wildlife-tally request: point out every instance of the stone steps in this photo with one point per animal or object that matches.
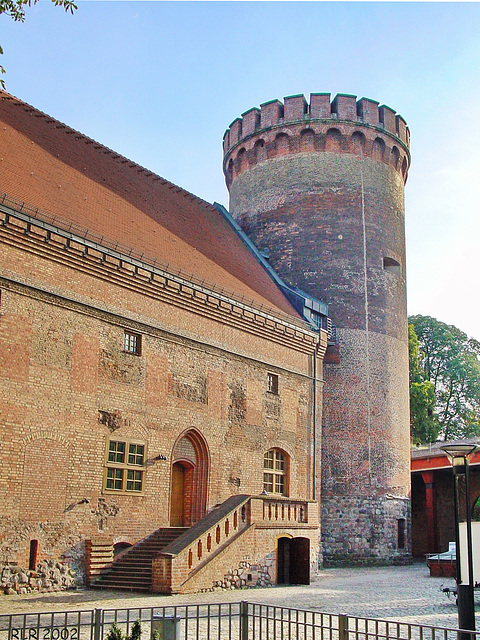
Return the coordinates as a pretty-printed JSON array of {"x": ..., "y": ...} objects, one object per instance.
[{"x": 132, "y": 570}]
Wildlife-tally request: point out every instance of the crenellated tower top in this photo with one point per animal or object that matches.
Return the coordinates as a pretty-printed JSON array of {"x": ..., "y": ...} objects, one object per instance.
[{"x": 342, "y": 125}]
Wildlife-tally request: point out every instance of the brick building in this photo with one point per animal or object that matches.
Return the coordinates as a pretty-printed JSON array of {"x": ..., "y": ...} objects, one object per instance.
[
  {"x": 433, "y": 521},
  {"x": 152, "y": 369},
  {"x": 162, "y": 385}
]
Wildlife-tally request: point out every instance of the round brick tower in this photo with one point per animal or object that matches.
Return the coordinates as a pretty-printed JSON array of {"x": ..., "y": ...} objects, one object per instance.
[{"x": 320, "y": 186}]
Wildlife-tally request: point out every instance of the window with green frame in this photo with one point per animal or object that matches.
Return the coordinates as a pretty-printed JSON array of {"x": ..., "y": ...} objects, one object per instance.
[{"x": 124, "y": 466}]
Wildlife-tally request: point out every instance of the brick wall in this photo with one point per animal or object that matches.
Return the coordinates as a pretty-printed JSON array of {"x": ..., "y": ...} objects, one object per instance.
[{"x": 67, "y": 386}]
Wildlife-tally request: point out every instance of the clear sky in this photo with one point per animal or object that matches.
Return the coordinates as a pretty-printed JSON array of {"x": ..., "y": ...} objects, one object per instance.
[{"x": 159, "y": 82}]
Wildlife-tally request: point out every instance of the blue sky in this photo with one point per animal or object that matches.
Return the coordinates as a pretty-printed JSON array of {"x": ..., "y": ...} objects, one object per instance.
[{"x": 161, "y": 81}]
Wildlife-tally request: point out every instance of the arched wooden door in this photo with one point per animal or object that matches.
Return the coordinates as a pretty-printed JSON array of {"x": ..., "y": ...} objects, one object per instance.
[
  {"x": 177, "y": 501},
  {"x": 188, "y": 492}
]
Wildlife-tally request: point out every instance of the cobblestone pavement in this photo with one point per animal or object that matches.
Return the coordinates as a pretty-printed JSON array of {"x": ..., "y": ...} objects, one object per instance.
[{"x": 390, "y": 593}]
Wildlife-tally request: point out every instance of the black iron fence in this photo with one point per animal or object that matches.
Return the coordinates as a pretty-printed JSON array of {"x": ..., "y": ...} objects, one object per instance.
[{"x": 218, "y": 621}]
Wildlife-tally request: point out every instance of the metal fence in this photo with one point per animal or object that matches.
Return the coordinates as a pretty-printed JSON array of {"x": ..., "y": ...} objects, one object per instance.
[{"x": 219, "y": 621}]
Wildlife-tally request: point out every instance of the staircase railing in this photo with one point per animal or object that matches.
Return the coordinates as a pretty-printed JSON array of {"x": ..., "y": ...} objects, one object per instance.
[{"x": 186, "y": 555}]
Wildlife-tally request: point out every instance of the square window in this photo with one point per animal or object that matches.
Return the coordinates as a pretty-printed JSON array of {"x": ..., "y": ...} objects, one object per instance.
[
  {"x": 272, "y": 383},
  {"x": 132, "y": 343},
  {"x": 114, "y": 479},
  {"x": 134, "y": 480},
  {"x": 116, "y": 451},
  {"x": 135, "y": 454},
  {"x": 124, "y": 466}
]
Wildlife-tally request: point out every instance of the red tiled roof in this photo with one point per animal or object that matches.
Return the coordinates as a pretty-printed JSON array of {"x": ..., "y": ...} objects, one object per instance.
[{"x": 50, "y": 166}]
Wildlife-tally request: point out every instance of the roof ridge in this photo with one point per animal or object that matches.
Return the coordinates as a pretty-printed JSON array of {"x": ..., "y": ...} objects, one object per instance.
[{"x": 117, "y": 157}]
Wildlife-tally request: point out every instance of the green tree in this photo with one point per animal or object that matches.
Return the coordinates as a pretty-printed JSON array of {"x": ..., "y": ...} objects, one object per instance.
[
  {"x": 15, "y": 9},
  {"x": 423, "y": 424},
  {"x": 450, "y": 361}
]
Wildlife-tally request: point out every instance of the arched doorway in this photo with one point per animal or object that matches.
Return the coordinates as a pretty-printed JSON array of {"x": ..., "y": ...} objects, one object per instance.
[
  {"x": 120, "y": 547},
  {"x": 293, "y": 560},
  {"x": 181, "y": 493},
  {"x": 188, "y": 491}
]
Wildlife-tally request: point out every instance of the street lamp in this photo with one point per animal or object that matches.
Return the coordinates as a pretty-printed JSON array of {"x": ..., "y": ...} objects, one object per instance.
[{"x": 458, "y": 454}]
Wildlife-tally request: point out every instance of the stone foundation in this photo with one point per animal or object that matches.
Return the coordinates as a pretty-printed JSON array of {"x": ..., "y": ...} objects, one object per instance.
[
  {"x": 248, "y": 575},
  {"x": 50, "y": 575},
  {"x": 365, "y": 531}
]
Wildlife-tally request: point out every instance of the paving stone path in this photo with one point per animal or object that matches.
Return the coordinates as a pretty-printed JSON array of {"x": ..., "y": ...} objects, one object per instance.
[{"x": 405, "y": 594}]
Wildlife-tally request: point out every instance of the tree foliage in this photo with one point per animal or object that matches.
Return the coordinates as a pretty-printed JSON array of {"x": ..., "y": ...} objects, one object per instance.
[
  {"x": 423, "y": 424},
  {"x": 444, "y": 381},
  {"x": 15, "y": 9}
]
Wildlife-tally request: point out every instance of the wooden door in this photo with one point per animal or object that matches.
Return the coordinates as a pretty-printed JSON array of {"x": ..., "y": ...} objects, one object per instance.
[
  {"x": 300, "y": 561},
  {"x": 177, "y": 502},
  {"x": 283, "y": 561}
]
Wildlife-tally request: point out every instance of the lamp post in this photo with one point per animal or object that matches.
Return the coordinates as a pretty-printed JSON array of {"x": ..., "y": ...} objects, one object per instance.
[{"x": 458, "y": 454}]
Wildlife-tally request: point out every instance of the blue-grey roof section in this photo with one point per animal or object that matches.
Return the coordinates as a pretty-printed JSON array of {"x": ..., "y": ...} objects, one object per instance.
[{"x": 314, "y": 311}]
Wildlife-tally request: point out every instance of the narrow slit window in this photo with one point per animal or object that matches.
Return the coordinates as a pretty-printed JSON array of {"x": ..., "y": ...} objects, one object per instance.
[
  {"x": 401, "y": 533},
  {"x": 32, "y": 562}
]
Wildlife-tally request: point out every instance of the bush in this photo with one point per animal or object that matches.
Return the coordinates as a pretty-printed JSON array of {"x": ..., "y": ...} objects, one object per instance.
[{"x": 115, "y": 633}]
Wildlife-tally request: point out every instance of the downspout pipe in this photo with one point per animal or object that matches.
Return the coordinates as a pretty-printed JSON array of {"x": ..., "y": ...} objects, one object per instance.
[{"x": 314, "y": 429}]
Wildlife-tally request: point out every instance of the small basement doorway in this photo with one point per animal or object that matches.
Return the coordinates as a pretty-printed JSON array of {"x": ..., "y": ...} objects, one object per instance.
[{"x": 293, "y": 561}]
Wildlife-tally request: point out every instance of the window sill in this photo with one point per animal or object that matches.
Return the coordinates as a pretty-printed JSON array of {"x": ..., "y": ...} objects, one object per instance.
[{"x": 114, "y": 492}]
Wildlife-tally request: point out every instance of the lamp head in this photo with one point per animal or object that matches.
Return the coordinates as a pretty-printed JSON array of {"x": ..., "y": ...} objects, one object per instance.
[{"x": 458, "y": 454}]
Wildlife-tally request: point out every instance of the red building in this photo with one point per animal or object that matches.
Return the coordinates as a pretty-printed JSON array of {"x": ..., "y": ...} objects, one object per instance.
[{"x": 433, "y": 524}]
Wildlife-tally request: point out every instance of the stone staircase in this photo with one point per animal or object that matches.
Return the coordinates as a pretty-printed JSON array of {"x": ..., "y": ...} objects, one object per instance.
[{"x": 132, "y": 569}]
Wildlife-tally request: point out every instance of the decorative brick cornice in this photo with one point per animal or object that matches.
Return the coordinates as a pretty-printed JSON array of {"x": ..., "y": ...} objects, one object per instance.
[
  {"x": 118, "y": 268},
  {"x": 358, "y": 127}
]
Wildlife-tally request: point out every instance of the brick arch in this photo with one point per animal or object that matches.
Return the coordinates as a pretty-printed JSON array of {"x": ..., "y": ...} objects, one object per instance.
[
  {"x": 358, "y": 143},
  {"x": 230, "y": 171},
  {"x": 378, "y": 151},
  {"x": 395, "y": 157},
  {"x": 282, "y": 144},
  {"x": 333, "y": 140},
  {"x": 241, "y": 160},
  {"x": 259, "y": 150},
  {"x": 190, "y": 452},
  {"x": 307, "y": 139}
]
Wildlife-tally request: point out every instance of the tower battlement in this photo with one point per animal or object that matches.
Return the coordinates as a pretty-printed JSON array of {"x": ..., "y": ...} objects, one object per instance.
[{"x": 343, "y": 124}]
